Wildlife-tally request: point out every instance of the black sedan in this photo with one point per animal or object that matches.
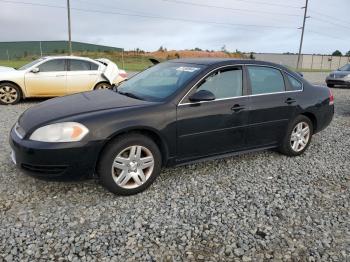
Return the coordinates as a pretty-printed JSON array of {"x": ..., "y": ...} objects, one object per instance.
[{"x": 173, "y": 113}]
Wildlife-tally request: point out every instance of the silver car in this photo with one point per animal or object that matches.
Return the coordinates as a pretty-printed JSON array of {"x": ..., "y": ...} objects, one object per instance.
[{"x": 340, "y": 77}]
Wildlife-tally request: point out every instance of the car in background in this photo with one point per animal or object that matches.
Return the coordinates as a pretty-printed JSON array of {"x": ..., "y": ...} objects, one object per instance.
[
  {"x": 340, "y": 77},
  {"x": 173, "y": 113},
  {"x": 57, "y": 76}
]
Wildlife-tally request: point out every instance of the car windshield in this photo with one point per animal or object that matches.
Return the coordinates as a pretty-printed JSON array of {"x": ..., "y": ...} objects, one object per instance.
[
  {"x": 30, "y": 64},
  {"x": 160, "y": 81},
  {"x": 345, "y": 68}
]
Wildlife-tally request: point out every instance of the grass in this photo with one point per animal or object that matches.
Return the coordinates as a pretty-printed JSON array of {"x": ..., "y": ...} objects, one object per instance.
[
  {"x": 14, "y": 63},
  {"x": 129, "y": 63},
  {"x": 306, "y": 70}
]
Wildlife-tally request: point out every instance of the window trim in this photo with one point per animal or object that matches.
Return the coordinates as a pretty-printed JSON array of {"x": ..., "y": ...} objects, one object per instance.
[{"x": 243, "y": 96}]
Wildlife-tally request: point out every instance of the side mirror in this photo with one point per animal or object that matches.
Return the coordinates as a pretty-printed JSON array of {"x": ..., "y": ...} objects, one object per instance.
[
  {"x": 202, "y": 95},
  {"x": 35, "y": 70}
]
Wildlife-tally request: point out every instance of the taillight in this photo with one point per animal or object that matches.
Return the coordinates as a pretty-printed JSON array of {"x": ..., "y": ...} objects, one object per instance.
[
  {"x": 123, "y": 75},
  {"x": 331, "y": 97}
]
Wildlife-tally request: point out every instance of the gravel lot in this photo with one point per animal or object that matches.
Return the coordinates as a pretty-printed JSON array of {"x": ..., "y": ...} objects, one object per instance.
[{"x": 253, "y": 207}]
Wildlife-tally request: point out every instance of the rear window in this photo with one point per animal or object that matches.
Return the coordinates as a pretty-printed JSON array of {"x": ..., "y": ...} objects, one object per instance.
[{"x": 265, "y": 80}]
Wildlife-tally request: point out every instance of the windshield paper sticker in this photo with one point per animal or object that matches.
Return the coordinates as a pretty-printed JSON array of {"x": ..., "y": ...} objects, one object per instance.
[{"x": 187, "y": 69}]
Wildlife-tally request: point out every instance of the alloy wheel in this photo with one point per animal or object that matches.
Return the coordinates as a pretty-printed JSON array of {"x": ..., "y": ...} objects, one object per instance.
[
  {"x": 8, "y": 94},
  {"x": 300, "y": 136},
  {"x": 132, "y": 167}
]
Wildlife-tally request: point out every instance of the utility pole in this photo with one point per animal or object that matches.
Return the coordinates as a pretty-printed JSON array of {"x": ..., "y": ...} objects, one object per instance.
[
  {"x": 41, "y": 50},
  {"x": 302, "y": 32},
  {"x": 69, "y": 30}
]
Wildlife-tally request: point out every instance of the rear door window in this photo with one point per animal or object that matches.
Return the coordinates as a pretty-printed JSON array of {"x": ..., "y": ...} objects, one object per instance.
[
  {"x": 81, "y": 65},
  {"x": 265, "y": 80}
]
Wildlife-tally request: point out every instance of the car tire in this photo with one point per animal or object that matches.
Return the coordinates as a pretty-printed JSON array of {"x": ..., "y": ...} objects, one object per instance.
[
  {"x": 103, "y": 85},
  {"x": 123, "y": 158},
  {"x": 330, "y": 85},
  {"x": 10, "y": 94},
  {"x": 298, "y": 136}
]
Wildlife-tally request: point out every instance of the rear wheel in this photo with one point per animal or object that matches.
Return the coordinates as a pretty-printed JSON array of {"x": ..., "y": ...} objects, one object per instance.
[
  {"x": 10, "y": 94},
  {"x": 129, "y": 164},
  {"x": 298, "y": 136},
  {"x": 103, "y": 85}
]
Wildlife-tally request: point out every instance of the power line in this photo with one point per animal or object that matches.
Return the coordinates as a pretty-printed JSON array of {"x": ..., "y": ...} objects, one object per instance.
[
  {"x": 154, "y": 17},
  {"x": 330, "y": 17},
  {"x": 229, "y": 8},
  {"x": 329, "y": 22},
  {"x": 267, "y": 3},
  {"x": 138, "y": 12}
]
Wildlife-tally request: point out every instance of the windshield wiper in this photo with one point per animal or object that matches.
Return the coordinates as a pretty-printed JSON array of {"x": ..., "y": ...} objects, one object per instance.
[{"x": 130, "y": 95}]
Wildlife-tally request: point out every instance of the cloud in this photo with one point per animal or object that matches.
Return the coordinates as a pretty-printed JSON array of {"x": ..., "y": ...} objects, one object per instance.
[{"x": 106, "y": 24}]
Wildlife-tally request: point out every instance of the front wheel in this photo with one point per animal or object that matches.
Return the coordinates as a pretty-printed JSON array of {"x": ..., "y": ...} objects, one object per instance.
[
  {"x": 298, "y": 137},
  {"x": 10, "y": 94},
  {"x": 129, "y": 164},
  {"x": 330, "y": 85}
]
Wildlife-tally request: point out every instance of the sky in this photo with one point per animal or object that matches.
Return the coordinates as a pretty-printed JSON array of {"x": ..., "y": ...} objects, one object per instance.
[{"x": 246, "y": 25}]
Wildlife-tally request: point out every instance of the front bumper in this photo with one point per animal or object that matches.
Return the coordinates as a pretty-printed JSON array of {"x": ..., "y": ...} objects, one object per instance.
[
  {"x": 54, "y": 159},
  {"x": 337, "y": 81}
]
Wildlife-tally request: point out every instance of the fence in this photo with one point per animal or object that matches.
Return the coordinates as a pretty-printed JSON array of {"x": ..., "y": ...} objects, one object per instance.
[{"x": 310, "y": 62}]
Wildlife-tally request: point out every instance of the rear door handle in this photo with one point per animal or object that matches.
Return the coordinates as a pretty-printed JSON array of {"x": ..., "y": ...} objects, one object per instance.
[
  {"x": 290, "y": 101},
  {"x": 59, "y": 75},
  {"x": 237, "y": 108}
]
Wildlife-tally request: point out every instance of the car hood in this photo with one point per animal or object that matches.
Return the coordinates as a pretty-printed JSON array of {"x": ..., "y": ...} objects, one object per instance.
[
  {"x": 339, "y": 74},
  {"x": 5, "y": 69},
  {"x": 55, "y": 109}
]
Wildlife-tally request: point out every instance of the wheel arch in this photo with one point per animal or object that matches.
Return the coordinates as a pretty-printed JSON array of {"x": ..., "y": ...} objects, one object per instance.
[
  {"x": 14, "y": 83},
  {"x": 149, "y": 132},
  {"x": 313, "y": 119},
  {"x": 101, "y": 82}
]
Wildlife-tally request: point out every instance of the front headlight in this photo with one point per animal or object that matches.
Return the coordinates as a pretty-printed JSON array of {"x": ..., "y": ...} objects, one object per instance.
[{"x": 60, "y": 132}]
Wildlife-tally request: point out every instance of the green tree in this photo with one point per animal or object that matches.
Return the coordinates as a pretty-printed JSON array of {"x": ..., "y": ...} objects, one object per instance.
[
  {"x": 348, "y": 53},
  {"x": 337, "y": 53}
]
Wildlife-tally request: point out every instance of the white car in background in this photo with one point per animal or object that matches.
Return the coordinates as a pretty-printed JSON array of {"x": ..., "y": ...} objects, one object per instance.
[{"x": 57, "y": 76}]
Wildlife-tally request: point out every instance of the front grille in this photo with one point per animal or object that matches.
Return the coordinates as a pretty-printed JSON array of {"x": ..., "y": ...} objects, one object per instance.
[{"x": 50, "y": 170}]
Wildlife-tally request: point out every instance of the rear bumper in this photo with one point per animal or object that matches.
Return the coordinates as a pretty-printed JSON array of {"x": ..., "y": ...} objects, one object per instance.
[{"x": 55, "y": 159}]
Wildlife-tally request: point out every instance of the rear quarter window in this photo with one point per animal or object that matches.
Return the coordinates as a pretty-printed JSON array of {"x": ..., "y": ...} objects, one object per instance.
[{"x": 294, "y": 83}]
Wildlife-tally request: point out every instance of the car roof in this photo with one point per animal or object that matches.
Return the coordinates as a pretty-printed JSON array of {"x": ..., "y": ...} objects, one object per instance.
[
  {"x": 69, "y": 57},
  {"x": 223, "y": 61}
]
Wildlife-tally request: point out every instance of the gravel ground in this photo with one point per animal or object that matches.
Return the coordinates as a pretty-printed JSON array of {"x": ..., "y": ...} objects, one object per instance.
[{"x": 253, "y": 207}]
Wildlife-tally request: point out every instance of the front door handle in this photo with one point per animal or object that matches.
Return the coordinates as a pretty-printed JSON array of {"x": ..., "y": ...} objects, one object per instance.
[
  {"x": 59, "y": 75},
  {"x": 290, "y": 101},
  {"x": 237, "y": 108}
]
